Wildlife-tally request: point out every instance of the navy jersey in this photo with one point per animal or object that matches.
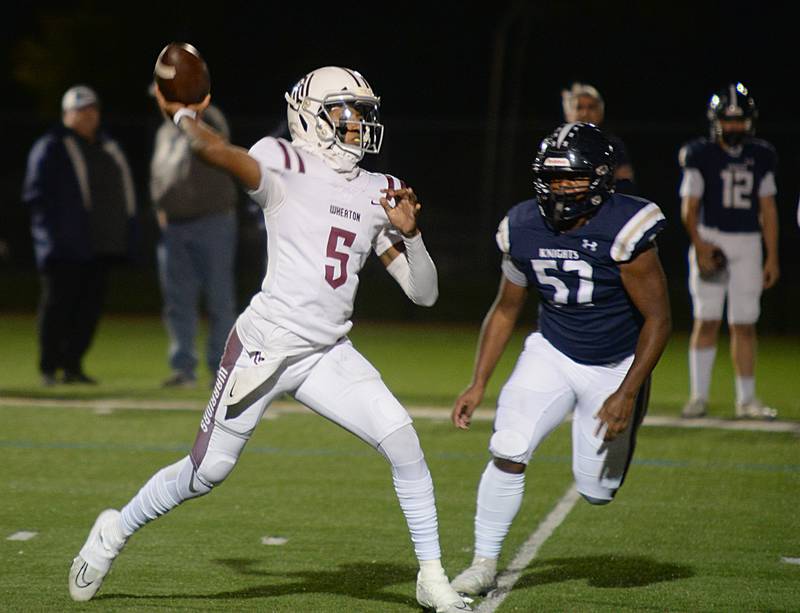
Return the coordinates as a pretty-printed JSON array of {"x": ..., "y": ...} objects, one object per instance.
[
  {"x": 584, "y": 310},
  {"x": 729, "y": 186}
]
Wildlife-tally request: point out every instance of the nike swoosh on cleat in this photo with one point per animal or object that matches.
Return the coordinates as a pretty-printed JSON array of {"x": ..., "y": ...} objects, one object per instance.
[{"x": 80, "y": 578}]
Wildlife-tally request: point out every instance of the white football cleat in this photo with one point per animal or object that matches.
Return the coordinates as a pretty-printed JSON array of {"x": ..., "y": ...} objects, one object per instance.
[
  {"x": 694, "y": 408},
  {"x": 434, "y": 593},
  {"x": 94, "y": 560},
  {"x": 477, "y": 580},
  {"x": 755, "y": 410}
]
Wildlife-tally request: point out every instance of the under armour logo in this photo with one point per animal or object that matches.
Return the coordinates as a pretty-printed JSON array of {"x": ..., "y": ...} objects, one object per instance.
[{"x": 587, "y": 244}]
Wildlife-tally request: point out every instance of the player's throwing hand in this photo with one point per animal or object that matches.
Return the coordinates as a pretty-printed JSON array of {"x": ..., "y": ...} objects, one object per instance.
[{"x": 170, "y": 108}]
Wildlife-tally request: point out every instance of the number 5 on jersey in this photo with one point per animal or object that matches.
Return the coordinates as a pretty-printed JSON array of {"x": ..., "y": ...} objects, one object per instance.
[{"x": 335, "y": 252}]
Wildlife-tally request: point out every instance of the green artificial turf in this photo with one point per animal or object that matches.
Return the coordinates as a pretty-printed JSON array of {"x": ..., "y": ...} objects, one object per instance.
[
  {"x": 422, "y": 364},
  {"x": 701, "y": 523}
]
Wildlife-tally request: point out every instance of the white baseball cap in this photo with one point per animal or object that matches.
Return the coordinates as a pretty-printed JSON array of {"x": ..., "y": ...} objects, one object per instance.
[{"x": 78, "y": 97}]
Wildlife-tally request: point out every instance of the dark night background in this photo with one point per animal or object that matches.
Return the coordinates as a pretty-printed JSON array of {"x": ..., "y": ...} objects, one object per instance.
[{"x": 467, "y": 93}]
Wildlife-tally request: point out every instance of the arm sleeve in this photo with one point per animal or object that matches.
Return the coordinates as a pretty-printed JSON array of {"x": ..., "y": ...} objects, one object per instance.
[
  {"x": 415, "y": 272},
  {"x": 767, "y": 186},
  {"x": 692, "y": 183},
  {"x": 509, "y": 268},
  {"x": 512, "y": 273},
  {"x": 388, "y": 237}
]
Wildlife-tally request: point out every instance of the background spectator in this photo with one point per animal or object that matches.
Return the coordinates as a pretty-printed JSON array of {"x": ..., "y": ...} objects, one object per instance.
[
  {"x": 82, "y": 207},
  {"x": 196, "y": 209}
]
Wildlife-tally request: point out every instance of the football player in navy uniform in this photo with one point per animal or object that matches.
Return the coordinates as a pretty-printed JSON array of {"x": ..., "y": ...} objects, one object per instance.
[
  {"x": 728, "y": 207},
  {"x": 604, "y": 320}
]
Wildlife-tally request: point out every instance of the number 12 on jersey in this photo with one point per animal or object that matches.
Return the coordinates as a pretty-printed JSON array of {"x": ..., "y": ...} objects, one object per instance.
[
  {"x": 561, "y": 291},
  {"x": 335, "y": 252}
]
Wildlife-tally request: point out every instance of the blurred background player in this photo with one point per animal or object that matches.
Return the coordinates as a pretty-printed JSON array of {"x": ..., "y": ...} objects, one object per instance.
[
  {"x": 728, "y": 207},
  {"x": 196, "y": 210},
  {"x": 583, "y": 102},
  {"x": 324, "y": 216},
  {"x": 82, "y": 204},
  {"x": 604, "y": 321}
]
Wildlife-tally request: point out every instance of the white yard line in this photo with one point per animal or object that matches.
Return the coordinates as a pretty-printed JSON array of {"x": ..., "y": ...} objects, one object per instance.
[
  {"x": 284, "y": 407},
  {"x": 528, "y": 551},
  {"x": 23, "y": 535}
]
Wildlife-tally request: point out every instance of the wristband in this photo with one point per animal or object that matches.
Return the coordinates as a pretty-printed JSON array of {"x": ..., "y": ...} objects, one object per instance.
[{"x": 181, "y": 113}]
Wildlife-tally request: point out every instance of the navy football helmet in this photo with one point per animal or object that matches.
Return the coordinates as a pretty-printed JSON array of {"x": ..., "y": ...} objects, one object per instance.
[
  {"x": 732, "y": 102},
  {"x": 573, "y": 151}
]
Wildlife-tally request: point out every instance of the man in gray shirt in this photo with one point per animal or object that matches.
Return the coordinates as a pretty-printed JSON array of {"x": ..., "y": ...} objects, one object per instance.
[{"x": 196, "y": 209}]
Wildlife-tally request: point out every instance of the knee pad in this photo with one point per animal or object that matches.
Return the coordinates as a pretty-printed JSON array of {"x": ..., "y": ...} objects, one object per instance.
[
  {"x": 403, "y": 451},
  {"x": 220, "y": 457},
  {"x": 215, "y": 468},
  {"x": 509, "y": 445},
  {"x": 595, "y": 501}
]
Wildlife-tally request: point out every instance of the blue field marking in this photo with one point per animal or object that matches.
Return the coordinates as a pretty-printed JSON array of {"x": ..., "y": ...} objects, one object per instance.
[{"x": 715, "y": 466}]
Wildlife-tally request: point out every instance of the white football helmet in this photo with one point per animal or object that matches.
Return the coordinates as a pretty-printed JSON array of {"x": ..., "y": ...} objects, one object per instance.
[{"x": 314, "y": 121}]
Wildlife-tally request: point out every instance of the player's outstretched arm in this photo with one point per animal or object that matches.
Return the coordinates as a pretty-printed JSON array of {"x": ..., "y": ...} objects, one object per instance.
[
  {"x": 210, "y": 144},
  {"x": 646, "y": 284},
  {"x": 498, "y": 325},
  {"x": 410, "y": 264}
]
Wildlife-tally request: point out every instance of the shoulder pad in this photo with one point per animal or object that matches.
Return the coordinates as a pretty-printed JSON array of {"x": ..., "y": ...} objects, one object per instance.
[
  {"x": 503, "y": 236},
  {"x": 278, "y": 155},
  {"x": 691, "y": 152},
  {"x": 644, "y": 221}
]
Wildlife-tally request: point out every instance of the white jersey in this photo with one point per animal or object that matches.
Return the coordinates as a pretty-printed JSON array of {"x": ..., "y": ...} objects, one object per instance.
[{"x": 321, "y": 227}]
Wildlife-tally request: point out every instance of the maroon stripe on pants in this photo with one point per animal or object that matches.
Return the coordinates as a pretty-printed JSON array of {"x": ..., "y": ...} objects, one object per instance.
[{"x": 233, "y": 348}]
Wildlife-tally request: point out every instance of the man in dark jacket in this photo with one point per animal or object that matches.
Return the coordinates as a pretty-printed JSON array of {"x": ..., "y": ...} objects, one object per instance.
[{"x": 79, "y": 189}]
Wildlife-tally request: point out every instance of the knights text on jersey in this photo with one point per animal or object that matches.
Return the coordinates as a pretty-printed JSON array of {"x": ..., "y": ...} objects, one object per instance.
[
  {"x": 584, "y": 310},
  {"x": 321, "y": 227},
  {"x": 729, "y": 185}
]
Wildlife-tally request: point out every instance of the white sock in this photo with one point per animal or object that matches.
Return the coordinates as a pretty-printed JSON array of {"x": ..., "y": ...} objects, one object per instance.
[
  {"x": 431, "y": 567},
  {"x": 158, "y": 496},
  {"x": 418, "y": 505},
  {"x": 499, "y": 498},
  {"x": 745, "y": 389},
  {"x": 701, "y": 363},
  {"x": 112, "y": 534}
]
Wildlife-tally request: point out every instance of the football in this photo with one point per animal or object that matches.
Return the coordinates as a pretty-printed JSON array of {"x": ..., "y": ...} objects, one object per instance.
[{"x": 181, "y": 74}]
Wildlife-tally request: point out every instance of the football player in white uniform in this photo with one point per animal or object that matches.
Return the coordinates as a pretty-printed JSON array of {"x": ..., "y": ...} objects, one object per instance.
[{"x": 324, "y": 215}]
